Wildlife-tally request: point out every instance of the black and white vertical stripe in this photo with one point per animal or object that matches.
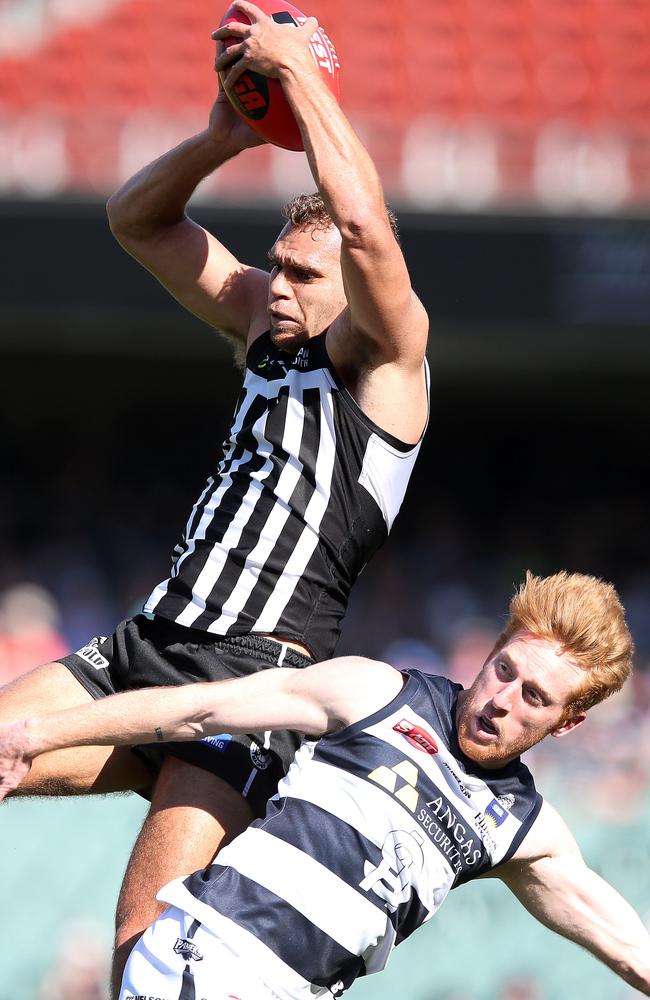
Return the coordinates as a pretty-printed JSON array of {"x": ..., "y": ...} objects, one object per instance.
[{"x": 304, "y": 493}]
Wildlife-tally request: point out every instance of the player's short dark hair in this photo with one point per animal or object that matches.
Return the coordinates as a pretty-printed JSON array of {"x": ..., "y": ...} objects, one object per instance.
[{"x": 309, "y": 210}]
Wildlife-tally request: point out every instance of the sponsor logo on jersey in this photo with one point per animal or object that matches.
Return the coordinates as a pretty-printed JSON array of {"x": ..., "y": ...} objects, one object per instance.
[
  {"x": 91, "y": 654},
  {"x": 219, "y": 742},
  {"x": 143, "y": 996},
  {"x": 507, "y": 801},
  {"x": 268, "y": 362},
  {"x": 187, "y": 950},
  {"x": 301, "y": 359},
  {"x": 463, "y": 788},
  {"x": 495, "y": 813},
  {"x": 401, "y": 781},
  {"x": 417, "y": 736},
  {"x": 452, "y": 835}
]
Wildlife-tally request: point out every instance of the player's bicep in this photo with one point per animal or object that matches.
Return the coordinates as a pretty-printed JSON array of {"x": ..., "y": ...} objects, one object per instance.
[
  {"x": 348, "y": 688},
  {"x": 204, "y": 276},
  {"x": 383, "y": 309}
]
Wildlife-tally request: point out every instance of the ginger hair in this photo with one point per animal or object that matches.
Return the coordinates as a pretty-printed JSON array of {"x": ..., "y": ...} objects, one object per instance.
[
  {"x": 585, "y": 616},
  {"x": 309, "y": 210}
]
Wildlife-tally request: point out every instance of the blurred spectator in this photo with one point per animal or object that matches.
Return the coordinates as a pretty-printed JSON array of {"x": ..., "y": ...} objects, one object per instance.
[
  {"x": 81, "y": 968},
  {"x": 521, "y": 989},
  {"x": 29, "y": 634}
]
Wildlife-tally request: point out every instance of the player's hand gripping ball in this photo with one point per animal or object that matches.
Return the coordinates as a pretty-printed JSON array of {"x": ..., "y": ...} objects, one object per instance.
[{"x": 260, "y": 99}]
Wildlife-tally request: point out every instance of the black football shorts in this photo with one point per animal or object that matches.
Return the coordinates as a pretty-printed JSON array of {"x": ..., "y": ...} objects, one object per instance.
[{"x": 154, "y": 652}]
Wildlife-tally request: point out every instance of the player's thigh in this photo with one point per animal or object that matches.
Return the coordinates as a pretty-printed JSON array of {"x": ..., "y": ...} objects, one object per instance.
[
  {"x": 178, "y": 957},
  {"x": 192, "y": 814},
  {"x": 79, "y": 770}
]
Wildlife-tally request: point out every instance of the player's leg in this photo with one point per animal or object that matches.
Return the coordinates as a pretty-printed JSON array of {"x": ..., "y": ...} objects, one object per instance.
[
  {"x": 179, "y": 957},
  {"x": 77, "y": 771},
  {"x": 192, "y": 814}
]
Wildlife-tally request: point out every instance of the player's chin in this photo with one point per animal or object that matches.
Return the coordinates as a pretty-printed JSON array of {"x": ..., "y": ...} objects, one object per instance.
[
  {"x": 288, "y": 336},
  {"x": 484, "y": 753}
]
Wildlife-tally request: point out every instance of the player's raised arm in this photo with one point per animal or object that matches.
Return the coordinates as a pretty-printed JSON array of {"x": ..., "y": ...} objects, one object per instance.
[
  {"x": 148, "y": 217},
  {"x": 385, "y": 324},
  {"x": 318, "y": 699},
  {"x": 550, "y": 878}
]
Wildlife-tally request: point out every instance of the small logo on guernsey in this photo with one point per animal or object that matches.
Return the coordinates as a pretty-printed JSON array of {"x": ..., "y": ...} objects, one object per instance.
[
  {"x": 268, "y": 362},
  {"x": 91, "y": 654},
  {"x": 417, "y": 736},
  {"x": 187, "y": 950},
  {"x": 260, "y": 756},
  {"x": 507, "y": 801},
  {"x": 407, "y": 774},
  {"x": 301, "y": 359},
  {"x": 495, "y": 813}
]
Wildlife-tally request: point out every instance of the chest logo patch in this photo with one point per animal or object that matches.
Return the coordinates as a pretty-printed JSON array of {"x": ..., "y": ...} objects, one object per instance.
[
  {"x": 417, "y": 736},
  {"x": 401, "y": 781}
]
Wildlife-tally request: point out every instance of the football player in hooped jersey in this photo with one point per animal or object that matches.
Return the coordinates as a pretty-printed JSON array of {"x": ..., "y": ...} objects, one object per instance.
[
  {"x": 414, "y": 787},
  {"x": 313, "y": 472}
]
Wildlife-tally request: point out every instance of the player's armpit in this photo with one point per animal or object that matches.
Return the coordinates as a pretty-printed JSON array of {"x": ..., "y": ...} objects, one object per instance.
[{"x": 572, "y": 900}]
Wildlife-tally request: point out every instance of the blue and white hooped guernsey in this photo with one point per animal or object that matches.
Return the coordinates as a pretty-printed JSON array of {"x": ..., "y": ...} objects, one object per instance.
[{"x": 369, "y": 830}]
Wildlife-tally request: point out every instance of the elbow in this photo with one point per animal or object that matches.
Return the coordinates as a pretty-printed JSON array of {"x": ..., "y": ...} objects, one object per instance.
[
  {"x": 118, "y": 218},
  {"x": 365, "y": 227},
  {"x": 126, "y": 220}
]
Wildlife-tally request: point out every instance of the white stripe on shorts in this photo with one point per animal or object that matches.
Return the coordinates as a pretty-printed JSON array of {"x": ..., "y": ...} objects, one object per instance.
[{"x": 155, "y": 969}]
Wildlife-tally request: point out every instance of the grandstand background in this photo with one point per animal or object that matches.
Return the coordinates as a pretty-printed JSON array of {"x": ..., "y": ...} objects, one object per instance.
[{"x": 513, "y": 137}]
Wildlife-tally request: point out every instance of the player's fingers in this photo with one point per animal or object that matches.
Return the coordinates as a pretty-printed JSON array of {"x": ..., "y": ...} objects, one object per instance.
[
  {"x": 309, "y": 26},
  {"x": 234, "y": 29},
  {"x": 236, "y": 71},
  {"x": 228, "y": 56},
  {"x": 251, "y": 11}
]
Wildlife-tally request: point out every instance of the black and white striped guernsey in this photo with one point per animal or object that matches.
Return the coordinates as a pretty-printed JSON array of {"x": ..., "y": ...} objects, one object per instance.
[
  {"x": 370, "y": 829},
  {"x": 306, "y": 490}
]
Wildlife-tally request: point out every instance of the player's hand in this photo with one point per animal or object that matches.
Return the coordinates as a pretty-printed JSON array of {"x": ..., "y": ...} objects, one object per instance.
[
  {"x": 264, "y": 46},
  {"x": 15, "y": 761},
  {"x": 226, "y": 126}
]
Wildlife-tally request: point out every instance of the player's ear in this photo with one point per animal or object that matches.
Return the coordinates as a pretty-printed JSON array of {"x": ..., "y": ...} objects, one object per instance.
[{"x": 569, "y": 724}]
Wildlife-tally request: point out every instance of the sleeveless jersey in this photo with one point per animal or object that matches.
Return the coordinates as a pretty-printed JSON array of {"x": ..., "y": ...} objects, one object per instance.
[
  {"x": 369, "y": 830},
  {"x": 306, "y": 490}
]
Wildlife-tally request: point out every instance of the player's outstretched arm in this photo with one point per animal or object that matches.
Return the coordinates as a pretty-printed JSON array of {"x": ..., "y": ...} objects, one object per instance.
[
  {"x": 386, "y": 318},
  {"x": 563, "y": 893},
  {"x": 148, "y": 217},
  {"x": 315, "y": 700}
]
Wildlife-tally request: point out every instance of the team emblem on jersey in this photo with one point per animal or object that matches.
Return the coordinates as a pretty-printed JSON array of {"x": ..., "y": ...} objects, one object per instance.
[
  {"x": 187, "y": 950},
  {"x": 401, "y": 858},
  {"x": 261, "y": 758},
  {"x": 417, "y": 736},
  {"x": 406, "y": 774}
]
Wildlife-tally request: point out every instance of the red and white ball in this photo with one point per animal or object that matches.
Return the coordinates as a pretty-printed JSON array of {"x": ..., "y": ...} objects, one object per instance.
[{"x": 259, "y": 99}]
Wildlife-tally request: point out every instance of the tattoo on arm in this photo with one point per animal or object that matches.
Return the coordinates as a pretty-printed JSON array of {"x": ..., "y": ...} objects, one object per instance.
[{"x": 159, "y": 734}]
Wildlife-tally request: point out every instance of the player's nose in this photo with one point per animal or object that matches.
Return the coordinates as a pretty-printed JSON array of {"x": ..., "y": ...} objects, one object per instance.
[
  {"x": 502, "y": 698},
  {"x": 279, "y": 286}
]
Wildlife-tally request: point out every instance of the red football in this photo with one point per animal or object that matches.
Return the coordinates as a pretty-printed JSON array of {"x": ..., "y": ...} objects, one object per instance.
[{"x": 259, "y": 99}]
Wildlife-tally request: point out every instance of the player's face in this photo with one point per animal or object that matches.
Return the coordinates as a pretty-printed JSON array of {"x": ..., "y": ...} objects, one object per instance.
[
  {"x": 306, "y": 285},
  {"x": 518, "y": 698}
]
